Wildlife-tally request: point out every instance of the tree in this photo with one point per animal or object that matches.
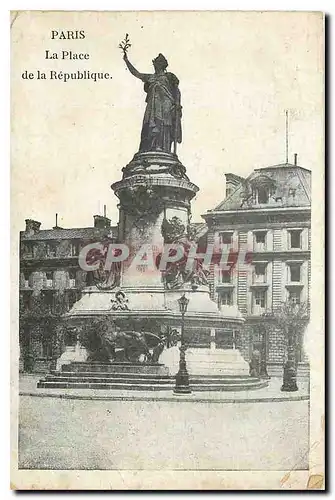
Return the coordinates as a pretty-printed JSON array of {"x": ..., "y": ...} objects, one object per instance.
[{"x": 291, "y": 318}]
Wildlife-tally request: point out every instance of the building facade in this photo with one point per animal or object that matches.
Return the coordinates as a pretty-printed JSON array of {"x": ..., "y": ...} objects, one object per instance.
[
  {"x": 266, "y": 220},
  {"x": 50, "y": 276}
]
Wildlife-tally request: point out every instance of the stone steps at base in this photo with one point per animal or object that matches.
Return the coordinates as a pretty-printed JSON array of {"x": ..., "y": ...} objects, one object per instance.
[
  {"x": 135, "y": 376},
  {"x": 135, "y": 368},
  {"x": 100, "y": 385},
  {"x": 149, "y": 387},
  {"x": 78, "y": 378},
  {"x": 140, "y": 377},
  {"x": 107, "y": 380},
  {"x": 143, "y": 376}
]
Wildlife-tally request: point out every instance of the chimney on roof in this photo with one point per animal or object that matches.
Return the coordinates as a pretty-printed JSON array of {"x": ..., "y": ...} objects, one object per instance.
[
  {"x": 57, "y": 226},
  {"x": 232, "y": 183},
  {"x": 101, "y": 221},
  {"x": 32, "y": 226},
  {"x": 295, "y": 158}
]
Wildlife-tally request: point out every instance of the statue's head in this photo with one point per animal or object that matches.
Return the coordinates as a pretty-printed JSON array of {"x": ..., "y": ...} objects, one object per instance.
[{"x": 160, "y": 62}]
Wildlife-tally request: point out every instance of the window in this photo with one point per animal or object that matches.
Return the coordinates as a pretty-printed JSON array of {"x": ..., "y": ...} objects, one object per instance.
[
  {"x": 226, "y": 240},
  {"x": 51, "y": 249},
  {"x": 72, "y": 278},
  {"x": 294, "y": 296},
  {"x": 294, "y": 273},
  {"x": 226, "y": 298},
  {"x": 295, "y": 238},
  {"x": 29, "y": 250},
  {"x": 260, "y": 298},
  {"x": 260, "y": 273},
  {"x": 225, "y": 276},
  {"x": 259, "y": 301},
  {"x": 259, "y": 241},
  {"x": 74, "y": 248},
  {"x": 49, "y": 277},
  {"x": 263, "y": 194},
  {"x": 26, "y": 279}
]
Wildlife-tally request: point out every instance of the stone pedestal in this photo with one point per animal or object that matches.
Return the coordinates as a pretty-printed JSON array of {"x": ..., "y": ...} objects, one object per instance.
[
  {"x": 75, "y": 353},
  {"x": 216, "y": 362},
  {"x": 155, "y": 188},
  {"x": 201, "y": 361}
]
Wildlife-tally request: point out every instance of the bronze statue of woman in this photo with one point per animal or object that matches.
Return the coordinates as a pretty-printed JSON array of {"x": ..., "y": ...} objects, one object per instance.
[{"x": 162, "y": 118}]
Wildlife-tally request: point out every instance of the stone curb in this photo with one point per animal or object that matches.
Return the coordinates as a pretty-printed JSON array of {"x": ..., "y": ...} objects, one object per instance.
[{"x": 185, "y": 399}]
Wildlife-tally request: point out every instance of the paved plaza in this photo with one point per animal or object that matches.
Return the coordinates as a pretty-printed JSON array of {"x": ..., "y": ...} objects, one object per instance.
[{"x": 59, "y": 433}]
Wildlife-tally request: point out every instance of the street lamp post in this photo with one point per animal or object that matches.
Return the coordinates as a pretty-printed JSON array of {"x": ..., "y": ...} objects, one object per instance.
[
  {"x": 182, "y": 385},
  {"x": 290, "y": 367},
  {"x": 263, "y": 365}
]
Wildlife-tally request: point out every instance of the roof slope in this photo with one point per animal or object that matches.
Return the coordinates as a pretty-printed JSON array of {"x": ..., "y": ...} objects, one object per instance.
[
  {"x": 290, "y": 186},
  {"x": 70, "y": 233}
]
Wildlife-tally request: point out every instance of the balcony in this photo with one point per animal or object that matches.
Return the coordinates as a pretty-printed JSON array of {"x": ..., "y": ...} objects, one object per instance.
[
  {"x": 258, "y": 310},
  {"x": 294, "y": 285},
  {"x": 259, "y": 275},
  {"x": 225, "y": 282}
]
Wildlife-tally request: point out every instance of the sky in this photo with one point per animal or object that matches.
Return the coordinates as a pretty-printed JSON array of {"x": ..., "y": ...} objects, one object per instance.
[{"x": 238, "y": 72}]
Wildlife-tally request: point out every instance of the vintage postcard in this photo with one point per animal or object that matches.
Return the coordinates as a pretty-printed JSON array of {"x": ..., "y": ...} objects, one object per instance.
[{"x": 167, "y": 193}]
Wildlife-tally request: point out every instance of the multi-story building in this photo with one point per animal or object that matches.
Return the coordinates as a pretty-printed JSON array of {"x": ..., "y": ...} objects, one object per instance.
[
  {"x": 49, "y": 266},
  {"x": 268, "y": 215}
]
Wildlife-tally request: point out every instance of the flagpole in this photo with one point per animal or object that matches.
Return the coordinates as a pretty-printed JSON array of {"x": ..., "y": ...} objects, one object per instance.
[{"x": 286, "y": 136}]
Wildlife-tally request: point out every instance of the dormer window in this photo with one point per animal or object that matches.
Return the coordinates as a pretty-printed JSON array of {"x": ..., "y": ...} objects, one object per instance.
[
  {"x": 263, "y": 187},
  {"x": 263, "y": 194}
]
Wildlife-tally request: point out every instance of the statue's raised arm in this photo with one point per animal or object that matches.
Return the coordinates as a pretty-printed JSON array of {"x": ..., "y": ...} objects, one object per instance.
[{"x": 133, "y": 70}]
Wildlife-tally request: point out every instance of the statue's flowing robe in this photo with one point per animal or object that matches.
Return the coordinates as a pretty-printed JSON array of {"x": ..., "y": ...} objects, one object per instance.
[{"x": 162, "y": 118}]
